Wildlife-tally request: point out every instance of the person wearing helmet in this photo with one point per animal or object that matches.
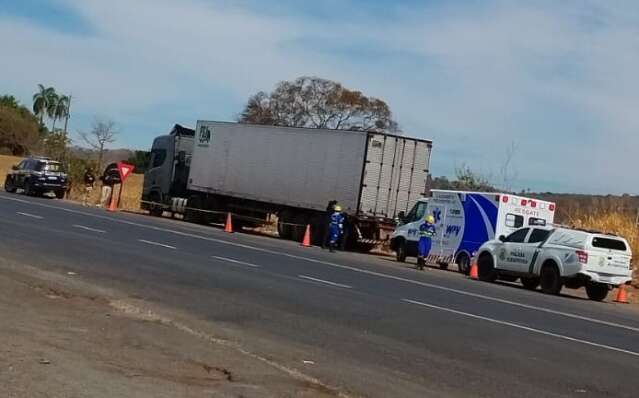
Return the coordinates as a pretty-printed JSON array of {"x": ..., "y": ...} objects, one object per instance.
[
  {"x": 426, "y": 233},
  {"x": 336, "y": 228}
]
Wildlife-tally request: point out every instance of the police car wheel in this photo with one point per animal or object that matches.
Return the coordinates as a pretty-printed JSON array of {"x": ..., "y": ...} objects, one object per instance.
[
  {"x": 597, "y": 291},
  {"x": 550, "y": 279},
  {"x": 487, "y": 272}
]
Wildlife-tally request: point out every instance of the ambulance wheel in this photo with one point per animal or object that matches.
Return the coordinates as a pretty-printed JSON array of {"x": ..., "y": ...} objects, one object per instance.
[
  {"x": 400, "y": 251},
  {"x": 463, "y": 263}
]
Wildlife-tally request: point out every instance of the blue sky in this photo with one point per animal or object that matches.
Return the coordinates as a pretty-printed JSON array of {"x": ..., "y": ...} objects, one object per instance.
[{"x": 558, "y": 80}]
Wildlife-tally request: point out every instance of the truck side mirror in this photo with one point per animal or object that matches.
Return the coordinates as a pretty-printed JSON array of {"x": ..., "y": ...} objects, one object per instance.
[
  {"x": 502, "y": 238},
  {"x": 181, "y": 157}
]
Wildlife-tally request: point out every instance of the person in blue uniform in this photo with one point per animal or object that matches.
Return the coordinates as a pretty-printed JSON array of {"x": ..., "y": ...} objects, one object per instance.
[
  {"x": 336, "y": 228},
  {"x": 426, "y": 233}
]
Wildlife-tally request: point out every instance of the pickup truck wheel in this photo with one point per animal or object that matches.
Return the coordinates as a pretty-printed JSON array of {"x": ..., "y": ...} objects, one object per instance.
[
  {"x": 530, "y": 283},
  {"x": 60, "y": 193},
  {"x": 487, "y": 272},
  {"x": 463, "y": 263},
  {"x": 8, "y": 185},
  {"x": 400, "y": 251},
  {"x": 550, "y": 279},
  {"x": 597, "y": 291}
]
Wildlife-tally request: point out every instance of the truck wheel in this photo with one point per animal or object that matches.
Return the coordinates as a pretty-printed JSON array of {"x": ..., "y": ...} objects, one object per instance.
[
  {"x": 60, "y": 193},
  {"x": 400, "y": 251},
  {"x": 463, "y": 263},
  {"x": 155, "y": 209},
  {"x": 192, "y": 214},
  {"x": 8, "y": 185},
  {"x": 487, "y": 272},
  {"x": 597, "y": 291},
  {"x": 550, "y": 279},
  {"x": 530, "y": 283}
]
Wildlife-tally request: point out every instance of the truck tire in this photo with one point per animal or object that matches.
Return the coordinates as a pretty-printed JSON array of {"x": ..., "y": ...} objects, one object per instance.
[
  {"x": 530, "y": 283},
  {"x": 192, "y": 214},
  {"x": 463, "y": 263},
  {"x": 597, "y": 291},
  {"x": 155, "y": 210},
  {"x": 486, "y": 265},
  {"x": 550, "y": 279},
  {"x": 8, "y": 185},
  {"x": 400, "y": 251},
  {"x": 60, "y": 193}
]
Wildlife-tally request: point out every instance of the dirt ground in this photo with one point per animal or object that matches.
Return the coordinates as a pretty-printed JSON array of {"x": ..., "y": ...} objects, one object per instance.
[{"x": 64, "y": 338}]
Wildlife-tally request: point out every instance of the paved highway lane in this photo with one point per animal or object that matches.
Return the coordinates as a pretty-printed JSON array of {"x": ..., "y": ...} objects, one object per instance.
[{"x": 370, "y": 327}]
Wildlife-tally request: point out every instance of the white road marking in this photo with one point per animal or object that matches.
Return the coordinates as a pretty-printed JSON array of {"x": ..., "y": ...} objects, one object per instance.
[
  {"x": 310, "y": 278},
  {"x": 522, "y": 327},
  {"x": 29, "y": 215},
  {"x": 230, "y": 260},
  {"x": 312, "y": 260},
  {"x": 149, "y": 242},
  {"x": 89, "y": 229}
]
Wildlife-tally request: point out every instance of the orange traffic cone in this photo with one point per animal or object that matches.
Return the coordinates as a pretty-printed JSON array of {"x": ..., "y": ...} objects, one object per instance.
[
  {"x": 307, "y": 237},
  {"x": 229, "y": 223},
  {"x": 112, "y": 204},
  {"x": 622, "y": 295},
  {"x": 474, "y": 271}
]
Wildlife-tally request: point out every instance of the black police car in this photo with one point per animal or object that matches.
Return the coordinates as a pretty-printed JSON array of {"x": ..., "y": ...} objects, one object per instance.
[{"x": 36, "y": 176}]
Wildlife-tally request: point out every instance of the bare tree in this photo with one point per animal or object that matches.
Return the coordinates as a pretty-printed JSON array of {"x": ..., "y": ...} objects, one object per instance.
[
  {"x": 313, "y": 102},
  {"x": 102, "y": 133}
]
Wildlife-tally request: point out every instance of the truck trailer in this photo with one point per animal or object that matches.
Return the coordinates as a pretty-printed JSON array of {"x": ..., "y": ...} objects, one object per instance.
[{"x": 254, "y": 171}]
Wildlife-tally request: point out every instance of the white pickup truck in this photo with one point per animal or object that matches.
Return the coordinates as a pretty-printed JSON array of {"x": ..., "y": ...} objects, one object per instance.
[{"x": 558, "y": 257}]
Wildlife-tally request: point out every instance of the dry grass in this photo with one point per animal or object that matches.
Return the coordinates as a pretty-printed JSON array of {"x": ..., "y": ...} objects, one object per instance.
[
  {"x": 621, "y": 224},
  {"x": 130, "y": 196}
]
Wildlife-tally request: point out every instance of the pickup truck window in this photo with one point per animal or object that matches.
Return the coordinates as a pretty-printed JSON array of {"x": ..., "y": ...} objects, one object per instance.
[
  {"x": 518, "y": 236},
  {"x": 538, "y": 235},
  {"x": 608, "y": 243},
  {"x": 514, "y": 221}
]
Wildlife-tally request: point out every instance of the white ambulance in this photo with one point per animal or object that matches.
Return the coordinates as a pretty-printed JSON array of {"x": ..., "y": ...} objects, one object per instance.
[{"x": 464, "y": 221}]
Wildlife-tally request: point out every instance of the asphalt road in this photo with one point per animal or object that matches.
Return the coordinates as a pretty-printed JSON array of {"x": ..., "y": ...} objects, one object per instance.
[{"x": 370, "y": 326}]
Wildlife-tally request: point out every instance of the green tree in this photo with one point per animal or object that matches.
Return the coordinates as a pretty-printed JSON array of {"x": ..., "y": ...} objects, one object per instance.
[
  {"x": 10, "y": 101},
  {"x": 42, "y": 101},
  {"x": 55, "y": 145},
  {"x": 313, "y": 102},
  {"x": 19, "y": 131},
  {"x": 58, "y": 109}
]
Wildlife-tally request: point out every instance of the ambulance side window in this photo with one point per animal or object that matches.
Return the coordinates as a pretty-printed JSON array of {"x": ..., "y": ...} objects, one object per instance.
[
  {"x": 514, "y": 220},
  {"x": 420, "y": 211}
]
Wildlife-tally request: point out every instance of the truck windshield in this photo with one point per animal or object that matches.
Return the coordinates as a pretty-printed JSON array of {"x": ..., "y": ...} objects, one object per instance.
[{"x": 608, "y": 243}]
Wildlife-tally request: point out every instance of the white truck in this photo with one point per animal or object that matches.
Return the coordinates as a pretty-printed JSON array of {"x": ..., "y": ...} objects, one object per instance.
[
  {"x": 254, "y": 171},
  {"x": 464, "y": 221},
  {"x": 558, "y": 257}
]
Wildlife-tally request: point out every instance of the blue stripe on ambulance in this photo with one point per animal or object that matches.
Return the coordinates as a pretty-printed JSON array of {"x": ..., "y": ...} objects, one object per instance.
[{"x": 480, "y": 219}]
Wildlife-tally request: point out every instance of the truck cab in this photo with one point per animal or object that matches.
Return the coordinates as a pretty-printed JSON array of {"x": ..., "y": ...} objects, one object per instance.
[{"x": 167, "y": 176}]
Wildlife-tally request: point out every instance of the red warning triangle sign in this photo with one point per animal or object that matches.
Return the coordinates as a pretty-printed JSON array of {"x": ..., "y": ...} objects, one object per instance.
[{"x": 125, "y": 170}]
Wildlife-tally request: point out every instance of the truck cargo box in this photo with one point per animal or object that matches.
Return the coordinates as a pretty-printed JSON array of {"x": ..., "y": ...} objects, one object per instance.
[{"x": 370, "y": 174}]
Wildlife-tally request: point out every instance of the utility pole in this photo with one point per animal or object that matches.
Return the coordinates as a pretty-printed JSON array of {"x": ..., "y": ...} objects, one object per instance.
[{"x": 66, "y": 123}]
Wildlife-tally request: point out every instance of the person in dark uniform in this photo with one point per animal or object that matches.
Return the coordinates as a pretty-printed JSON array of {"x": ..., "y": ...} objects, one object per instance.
[
  {"x": 89, "y": 182},
  {"x": 330, "y": 209}
]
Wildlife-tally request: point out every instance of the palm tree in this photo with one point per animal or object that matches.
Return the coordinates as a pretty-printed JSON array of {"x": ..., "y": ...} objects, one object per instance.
[
  {"x": 58, "y": 109},
  {"x": 42, "y": 101}
]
